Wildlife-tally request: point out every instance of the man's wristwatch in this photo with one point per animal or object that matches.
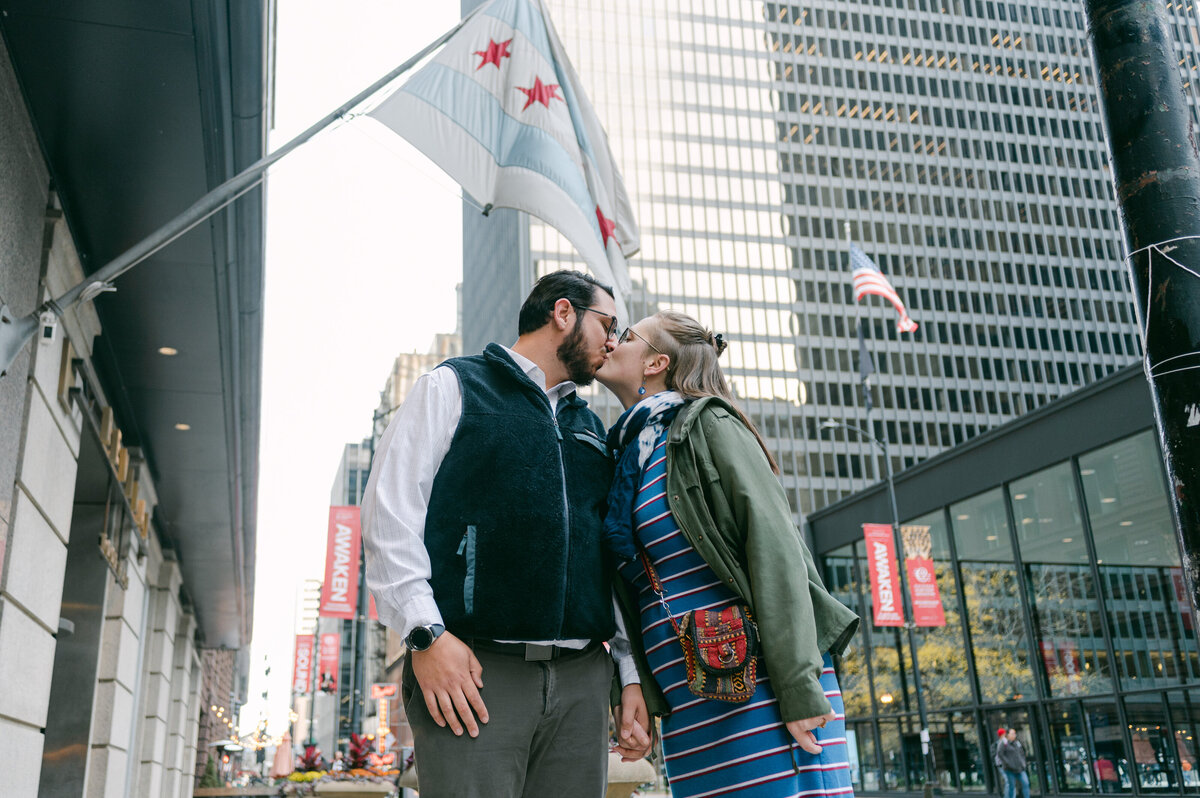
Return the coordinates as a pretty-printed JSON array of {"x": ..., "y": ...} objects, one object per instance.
[{"x": 422, "y": 637}]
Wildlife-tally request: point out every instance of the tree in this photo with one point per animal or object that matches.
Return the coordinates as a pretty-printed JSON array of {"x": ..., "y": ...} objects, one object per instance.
[{"x": 210, "y": 779}]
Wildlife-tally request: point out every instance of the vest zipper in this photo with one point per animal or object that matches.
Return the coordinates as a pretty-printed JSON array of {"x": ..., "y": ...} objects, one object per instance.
[{"x": 562, "y": 471}]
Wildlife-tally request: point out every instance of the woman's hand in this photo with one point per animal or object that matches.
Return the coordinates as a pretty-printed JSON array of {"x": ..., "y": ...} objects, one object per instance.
[
  {"x": 802, "y": 731},
  {"x": 632, "y": 719}
]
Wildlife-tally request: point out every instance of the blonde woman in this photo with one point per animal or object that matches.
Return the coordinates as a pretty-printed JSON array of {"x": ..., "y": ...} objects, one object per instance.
[{"x": 696, "y": 491}]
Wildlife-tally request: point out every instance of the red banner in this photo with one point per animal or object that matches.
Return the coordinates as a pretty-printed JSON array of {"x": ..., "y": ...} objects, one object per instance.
[
  {"x": 885, "y": 587},
  {"x": 372, "y": 613},
  {"x": 339, "y": 593},
  {"x": 923, "y": 587},
  {"x": 327, "y": 662},
  {"x": 302, "y": 664}
]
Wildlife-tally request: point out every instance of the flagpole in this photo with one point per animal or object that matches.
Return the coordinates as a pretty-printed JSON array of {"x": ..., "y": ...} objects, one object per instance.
[
  {"x": 15, "y": 332},
  {"x": 931, "y": 786}
]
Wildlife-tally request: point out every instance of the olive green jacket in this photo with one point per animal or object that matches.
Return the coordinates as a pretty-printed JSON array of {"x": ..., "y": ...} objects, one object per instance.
[{"x": 732, "y": 510}]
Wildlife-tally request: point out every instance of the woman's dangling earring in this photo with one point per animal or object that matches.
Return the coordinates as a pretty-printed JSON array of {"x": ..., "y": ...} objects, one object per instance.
[{"x": 642, "y": 390}]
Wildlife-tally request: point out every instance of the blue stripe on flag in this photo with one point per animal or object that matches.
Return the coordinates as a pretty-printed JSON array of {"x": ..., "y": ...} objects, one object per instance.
[
  {"x": 473, "y": 108},
  {"x": 522, "y": 16}
]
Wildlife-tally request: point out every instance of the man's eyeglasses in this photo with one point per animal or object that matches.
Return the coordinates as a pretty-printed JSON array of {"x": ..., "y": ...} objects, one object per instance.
[
  {"x": 610, "y": 328},
  {"x": 629, "y": 331}
]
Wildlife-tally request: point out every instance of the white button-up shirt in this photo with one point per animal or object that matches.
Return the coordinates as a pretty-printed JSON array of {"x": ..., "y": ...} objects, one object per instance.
[{"x": 396, "y": 501}]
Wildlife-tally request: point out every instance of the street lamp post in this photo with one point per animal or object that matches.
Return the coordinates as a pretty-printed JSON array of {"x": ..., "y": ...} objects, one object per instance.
[
  {"x": 358, "y": 676},
  {"x": 909, "y": 624}
]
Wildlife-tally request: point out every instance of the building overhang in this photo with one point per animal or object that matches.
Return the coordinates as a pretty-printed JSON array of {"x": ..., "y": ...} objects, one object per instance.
[
  {"x": 140, "y": 109},
  {"x": 1105, "y": 411}
]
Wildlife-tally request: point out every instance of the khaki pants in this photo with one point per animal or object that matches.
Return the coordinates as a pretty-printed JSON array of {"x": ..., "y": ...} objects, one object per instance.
[{"x": 547, "y": 735}]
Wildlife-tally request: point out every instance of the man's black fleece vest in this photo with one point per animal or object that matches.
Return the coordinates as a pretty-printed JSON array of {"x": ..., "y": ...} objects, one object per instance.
[{"x": 515, "y": 512}]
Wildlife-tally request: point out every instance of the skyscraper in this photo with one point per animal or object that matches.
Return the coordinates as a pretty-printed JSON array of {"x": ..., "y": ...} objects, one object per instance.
[{"x": 959, "y": 141}]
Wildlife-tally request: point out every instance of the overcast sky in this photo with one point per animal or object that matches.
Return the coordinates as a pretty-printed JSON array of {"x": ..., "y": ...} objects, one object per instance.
[{"x": 364, "y": 248}]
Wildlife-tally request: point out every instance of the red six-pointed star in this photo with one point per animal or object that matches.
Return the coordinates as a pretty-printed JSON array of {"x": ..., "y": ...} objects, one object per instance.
[
  {"x": 493, "y": 53},
  {"x": 541, "y": 93},
  {"x": 607, "y": 226}
]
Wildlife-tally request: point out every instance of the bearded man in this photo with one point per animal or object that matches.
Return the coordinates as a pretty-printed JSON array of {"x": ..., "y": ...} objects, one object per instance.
[{"x": 482, "y": 526}]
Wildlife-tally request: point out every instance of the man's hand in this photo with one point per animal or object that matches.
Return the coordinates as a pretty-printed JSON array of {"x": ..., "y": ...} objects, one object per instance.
[
  {"x": 450, "y": 677},
  {"x": 632, "y": 720},
  {"x": 802, "y": 731}
]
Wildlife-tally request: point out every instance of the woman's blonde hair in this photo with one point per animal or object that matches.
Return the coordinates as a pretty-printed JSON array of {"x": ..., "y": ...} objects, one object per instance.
[{"x": 693, "y": 369}]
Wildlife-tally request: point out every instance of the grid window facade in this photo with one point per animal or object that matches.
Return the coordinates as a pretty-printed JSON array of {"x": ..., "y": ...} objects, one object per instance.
[{"x": 959, "y": 143}]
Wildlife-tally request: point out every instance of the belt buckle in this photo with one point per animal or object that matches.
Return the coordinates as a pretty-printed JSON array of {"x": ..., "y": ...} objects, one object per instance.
[{"x": 537, "y": 653}]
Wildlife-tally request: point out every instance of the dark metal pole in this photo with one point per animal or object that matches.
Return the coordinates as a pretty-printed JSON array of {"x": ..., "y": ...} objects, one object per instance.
[
  {"x": 358, "y": 668},
  {"x": 312, "y": 679},
  {"x": 1156, "y": 173},
  {"x": 931, "y": 784},
  {"x": 909, "y": 624}
]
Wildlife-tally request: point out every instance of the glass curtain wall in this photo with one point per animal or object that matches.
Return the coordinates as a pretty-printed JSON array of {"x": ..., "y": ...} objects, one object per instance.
[{"x": 1065, "y": 618}]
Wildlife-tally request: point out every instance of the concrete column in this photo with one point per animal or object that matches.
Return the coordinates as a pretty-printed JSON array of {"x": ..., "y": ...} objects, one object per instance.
[
  {"x": 114, "y": 713},
  {"x": 182, "y": 700},
  {"x": 160, "y": 661},
  {"x": 39, "y": 449},
  {"x": 192, "y": 727}
]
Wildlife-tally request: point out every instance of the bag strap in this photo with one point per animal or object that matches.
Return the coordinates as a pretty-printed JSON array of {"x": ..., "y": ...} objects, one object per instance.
[{"x": 657, "y": 586}]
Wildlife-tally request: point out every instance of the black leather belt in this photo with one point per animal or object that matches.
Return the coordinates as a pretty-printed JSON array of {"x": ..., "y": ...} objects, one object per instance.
[{"x": 530, "y": 652}]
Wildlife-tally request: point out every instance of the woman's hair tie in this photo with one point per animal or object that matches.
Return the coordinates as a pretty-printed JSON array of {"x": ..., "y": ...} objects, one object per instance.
[{"x": 719, "y": 343}]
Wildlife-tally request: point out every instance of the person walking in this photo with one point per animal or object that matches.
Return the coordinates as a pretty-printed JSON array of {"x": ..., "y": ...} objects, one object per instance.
[
  {"x": 482, "y": 529},
  {"x": 1010, "y": 757},
  {"x": 699, "y": 521}
]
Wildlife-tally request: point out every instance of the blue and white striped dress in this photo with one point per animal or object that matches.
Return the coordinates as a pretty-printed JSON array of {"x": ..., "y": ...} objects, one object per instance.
[{"x": 713, "y": 747}]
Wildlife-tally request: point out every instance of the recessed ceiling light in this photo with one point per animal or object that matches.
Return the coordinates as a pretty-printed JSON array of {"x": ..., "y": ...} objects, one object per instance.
[
  {"x": 1126, "y": 523},
  {"x": 1019, "y": 496},
  {"x": 963, "y": 517},
  {"x": 1068, "y": 540},
  {"x": 991, "y": 537},
  {"x": 1107, "y": 500},
  {"x": 168, "y": 351},
  {"x": 183, "y": 427},
  {"x": 1087, "y": 472}
]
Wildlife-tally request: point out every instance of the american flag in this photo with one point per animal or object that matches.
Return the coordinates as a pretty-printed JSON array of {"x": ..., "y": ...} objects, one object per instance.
[{"x": 869, "y": 280}]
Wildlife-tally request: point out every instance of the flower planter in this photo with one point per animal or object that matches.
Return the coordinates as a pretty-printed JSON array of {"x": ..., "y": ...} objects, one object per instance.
[{"x": 353, "y": 789}]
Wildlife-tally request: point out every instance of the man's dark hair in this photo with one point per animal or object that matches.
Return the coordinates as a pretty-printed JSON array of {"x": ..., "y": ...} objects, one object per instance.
[{"x": 575, "y": 287}]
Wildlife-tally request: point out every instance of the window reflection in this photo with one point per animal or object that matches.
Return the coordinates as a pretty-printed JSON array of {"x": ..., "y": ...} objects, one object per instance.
[
  {"x": 1153, "y": 750},
  {"x": 970, "y": 761},
  {"x": 900, "y": 746},
  {"x": 1185, "y": 718},
  {"x": 1110, "y": 763},
  {"x": 842, "y": 577},
  {"x": 1050, "y": 534},
  {"x": 864, "y": 762},
  {"x": 1138, "y": 561},
  {"x": 1144, "y": 741},
  {"x": 999, "y": 639},
  {"x": 1069, "y": 748},
  {"x": 940, "y": 649},
  {"x": 1021, "y": 719}
]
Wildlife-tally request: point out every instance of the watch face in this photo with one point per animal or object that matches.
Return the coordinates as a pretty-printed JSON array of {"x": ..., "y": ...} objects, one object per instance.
[{"x": 420, "y": 638}]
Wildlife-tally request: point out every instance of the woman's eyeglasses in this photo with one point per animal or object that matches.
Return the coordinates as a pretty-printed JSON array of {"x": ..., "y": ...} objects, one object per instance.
[{"x": 629, "y": 331}]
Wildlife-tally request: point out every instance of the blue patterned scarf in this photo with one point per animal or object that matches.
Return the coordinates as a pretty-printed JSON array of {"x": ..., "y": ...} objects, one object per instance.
[{"x": 644, "y": 422}]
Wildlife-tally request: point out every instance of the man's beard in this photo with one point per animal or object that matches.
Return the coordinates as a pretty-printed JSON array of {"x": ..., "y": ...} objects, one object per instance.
[{"x": 574, "y": 357}]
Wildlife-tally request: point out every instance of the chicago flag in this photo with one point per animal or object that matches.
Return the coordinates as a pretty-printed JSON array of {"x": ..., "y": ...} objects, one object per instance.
[{"x": 500, "y": 109}]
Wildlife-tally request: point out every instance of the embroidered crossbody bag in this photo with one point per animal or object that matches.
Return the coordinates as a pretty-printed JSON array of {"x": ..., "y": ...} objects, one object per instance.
[{"x": 720, "y": 647}]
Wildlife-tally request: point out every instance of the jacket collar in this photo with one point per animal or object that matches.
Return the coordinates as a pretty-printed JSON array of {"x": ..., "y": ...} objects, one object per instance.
[
  {"x": 690, "y": 413},
  {"x": 499, "y": 356}
]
